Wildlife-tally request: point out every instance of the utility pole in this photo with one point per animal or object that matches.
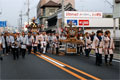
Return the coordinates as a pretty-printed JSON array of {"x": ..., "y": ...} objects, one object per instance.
[
  {"x": 63, "y": 10},
  {"x": 21, "y": 20},
  {"x": 28, "y": 11}
]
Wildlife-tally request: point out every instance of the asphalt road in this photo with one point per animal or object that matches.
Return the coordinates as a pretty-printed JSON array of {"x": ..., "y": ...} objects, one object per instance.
[{"x": 53, "y": 67}]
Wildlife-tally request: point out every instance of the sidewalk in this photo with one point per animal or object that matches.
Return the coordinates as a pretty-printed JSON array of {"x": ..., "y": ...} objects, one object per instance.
[{"x": 116, "y": 56}]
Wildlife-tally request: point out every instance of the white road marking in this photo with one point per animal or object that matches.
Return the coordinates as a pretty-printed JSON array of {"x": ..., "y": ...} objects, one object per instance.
[{"x": 53, "y": 61}]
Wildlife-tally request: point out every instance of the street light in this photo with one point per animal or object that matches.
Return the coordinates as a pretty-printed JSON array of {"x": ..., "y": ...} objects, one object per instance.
[
  {"x": 63, "y": 10},
  {"x": 114, "y": 27}
]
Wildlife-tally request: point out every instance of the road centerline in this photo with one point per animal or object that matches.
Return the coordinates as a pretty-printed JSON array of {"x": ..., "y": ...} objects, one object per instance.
[
  {"x": 82, "y": 72},
  {"x": 64, "y": 69}
]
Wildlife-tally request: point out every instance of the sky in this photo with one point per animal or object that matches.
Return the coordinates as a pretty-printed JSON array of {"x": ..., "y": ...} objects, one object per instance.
[{"x": 12, "y": 8}]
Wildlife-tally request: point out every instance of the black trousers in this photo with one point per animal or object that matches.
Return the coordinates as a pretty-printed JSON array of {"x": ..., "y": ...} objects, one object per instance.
[
  {"x": 87, "y": 52},
  {"x": 79, "y": 49},
  {"x": 1, "y": 58},
  {"x": 23, "y": 51},
  {"x": 15, "y": 53},
  {"x": 57, "y": 51},
  {"x": 106, "y": 58},
  {"x": 39, "y": 47},
  {"x": 35, "y": 49},
  {"x": 4, "y": 50},
  {"x": 47, "y": 47},
  {"x": 7, "y": 49},
  {"x": 98, "y": 59},
  {"x": 29, "y": 49}
]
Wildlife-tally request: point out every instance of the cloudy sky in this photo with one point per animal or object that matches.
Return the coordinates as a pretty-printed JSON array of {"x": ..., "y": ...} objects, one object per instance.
[{"x": 12, "y": 8}]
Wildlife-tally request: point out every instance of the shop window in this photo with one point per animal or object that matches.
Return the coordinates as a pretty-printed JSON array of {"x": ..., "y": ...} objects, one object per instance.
[
  {"x": 43, "y": 12},
  {"x": 51, "y": 11}
]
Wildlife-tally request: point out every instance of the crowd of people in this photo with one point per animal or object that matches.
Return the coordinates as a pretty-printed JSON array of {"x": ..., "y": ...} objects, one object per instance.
[{"x": 21, "y": 43}]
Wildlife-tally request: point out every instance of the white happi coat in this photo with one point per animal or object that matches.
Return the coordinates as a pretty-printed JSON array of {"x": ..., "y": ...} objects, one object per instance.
[
  {"x": 0, "y": 40},
  {"x": 88, "y": 43},
  {"x": 63, "y": 38},
  {"x": 34, "y": 42},
  {"x": 44, "y": 39},
  {"x": 29, "y": 41},
  {"x": 39, "y": 39},
  {"x": 3, "y": 42},
  {"x": 98, "y": 45},
  {"x": 11, "y": 39},
  {"x": 15, "y": 41},
  {"x": 55, "y": 42},
  {"x": 8, "y": 40},
  {"x": 108, "y": 45},
  {"x": 23, "y": 40}
]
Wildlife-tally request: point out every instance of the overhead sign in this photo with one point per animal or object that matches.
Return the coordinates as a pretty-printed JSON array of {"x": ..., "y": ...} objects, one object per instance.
[
  {"x": 3, "y": 23},
  {"x": 74, "y": 22},
  {"x": 77, "y": 14},
  {"x": 83, "y": 22}
]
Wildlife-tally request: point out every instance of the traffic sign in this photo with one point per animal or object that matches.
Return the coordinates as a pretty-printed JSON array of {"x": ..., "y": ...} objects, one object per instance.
[{"x": 3, "y": 23}]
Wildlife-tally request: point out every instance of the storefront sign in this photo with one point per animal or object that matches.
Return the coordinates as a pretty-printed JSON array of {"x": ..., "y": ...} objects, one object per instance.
[
  {"x": 74, "y": 22},
  {"x": 77, "y": 14},
  {"x": 83, "y": 22}
]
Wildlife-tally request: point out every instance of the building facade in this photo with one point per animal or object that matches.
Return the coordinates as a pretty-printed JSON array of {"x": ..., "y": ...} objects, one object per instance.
[
  {"x": 47, "y": 10},
  {"x": 42, "y": 2}
]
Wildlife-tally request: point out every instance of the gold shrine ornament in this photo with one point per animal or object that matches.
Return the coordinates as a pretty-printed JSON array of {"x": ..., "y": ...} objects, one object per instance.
[{"x": 34, "y": 25}]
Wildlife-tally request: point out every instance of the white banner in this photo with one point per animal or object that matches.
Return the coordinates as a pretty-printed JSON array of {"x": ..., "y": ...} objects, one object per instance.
[{"x": 77, "y": 14}]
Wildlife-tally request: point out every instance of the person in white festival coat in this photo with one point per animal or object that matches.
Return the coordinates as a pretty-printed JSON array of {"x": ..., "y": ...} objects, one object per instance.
[
  {"x": 88, "y": 43},
  {"x": 35, "y": 42},
  {"x": 108, "y": 47},
  {"x": 97, "y": 45},
  {"x": 15, "y": 46},
  {"x": 1, "y": 47},
  {"x": 29, "y": 42},
  {"x": 44, "y": 39},
  {"x": 4, "y": 42},
  {"x": 23, "y": 40}
]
